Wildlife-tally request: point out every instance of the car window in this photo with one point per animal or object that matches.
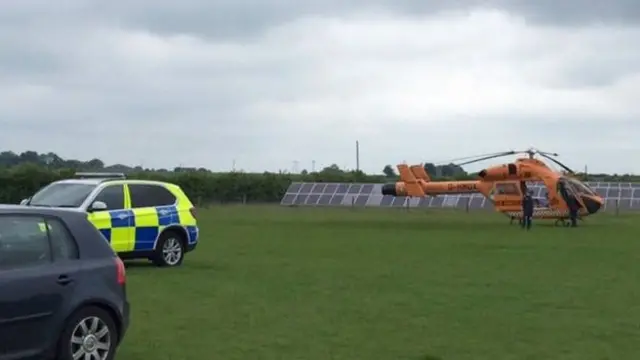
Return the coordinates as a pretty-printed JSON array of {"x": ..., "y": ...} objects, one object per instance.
[
  {"x": 62, "y": 195},
  {"x": 23, "y": 242},
  {"x": 63, "y": 245},
  {"x": 146, "y": 195},
  {"x": 113, "y": 196}
]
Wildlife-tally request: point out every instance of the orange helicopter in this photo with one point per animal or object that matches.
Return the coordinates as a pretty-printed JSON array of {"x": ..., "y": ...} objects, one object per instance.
[{"x": 504, "y": 185}]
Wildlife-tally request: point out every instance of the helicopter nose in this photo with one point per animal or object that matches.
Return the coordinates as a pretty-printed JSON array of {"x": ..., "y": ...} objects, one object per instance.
[{"x": 592, "y": 205}]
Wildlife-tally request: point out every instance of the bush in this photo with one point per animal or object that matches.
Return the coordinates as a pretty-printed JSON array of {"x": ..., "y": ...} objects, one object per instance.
[{"x": 24, "y": 180}]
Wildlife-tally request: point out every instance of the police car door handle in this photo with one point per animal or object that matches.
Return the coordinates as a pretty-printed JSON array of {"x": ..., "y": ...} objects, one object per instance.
[{"x": 123, "y": 216}]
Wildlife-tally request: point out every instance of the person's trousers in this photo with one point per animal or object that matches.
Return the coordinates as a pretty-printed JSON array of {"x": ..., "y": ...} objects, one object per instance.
[
  {"x": 573, "y": 214},
  {"x": 526, "y": 222}
]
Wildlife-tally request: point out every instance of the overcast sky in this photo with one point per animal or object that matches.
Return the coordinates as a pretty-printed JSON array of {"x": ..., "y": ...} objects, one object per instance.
[{"x": 270, "y": 82}]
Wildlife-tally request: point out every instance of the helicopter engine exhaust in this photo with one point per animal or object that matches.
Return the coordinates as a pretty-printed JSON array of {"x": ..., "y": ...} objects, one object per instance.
[{"x": 389, "y": 189}]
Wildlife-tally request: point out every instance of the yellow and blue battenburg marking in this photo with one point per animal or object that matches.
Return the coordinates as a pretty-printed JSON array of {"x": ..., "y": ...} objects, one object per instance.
[
  {"x": 138, "y": 229},
  {"x": 117, "y": 229}
]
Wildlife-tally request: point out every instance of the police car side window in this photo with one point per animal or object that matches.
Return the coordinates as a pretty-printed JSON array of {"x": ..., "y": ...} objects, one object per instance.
[
  {"x": 113, "y": 196},
  {"x": 145, "y": 195}
]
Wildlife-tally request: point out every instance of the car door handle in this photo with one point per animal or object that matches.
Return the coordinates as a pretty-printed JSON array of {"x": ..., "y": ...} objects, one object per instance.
[{"x": 64, "y": 280}]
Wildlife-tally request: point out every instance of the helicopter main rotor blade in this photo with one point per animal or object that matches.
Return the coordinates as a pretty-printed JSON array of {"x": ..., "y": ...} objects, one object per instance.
[
  {"x": 559, "y": 163},
  {"x": 467, "y": 158},
  {"x": 506, "y": 153},
  {"x": 547, "y": 153}
]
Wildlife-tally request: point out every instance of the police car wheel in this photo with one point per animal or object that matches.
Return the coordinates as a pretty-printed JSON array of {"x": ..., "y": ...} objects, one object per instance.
[
  {"x": 90, "y": 333},
  {"x": 169, "y": 250}
]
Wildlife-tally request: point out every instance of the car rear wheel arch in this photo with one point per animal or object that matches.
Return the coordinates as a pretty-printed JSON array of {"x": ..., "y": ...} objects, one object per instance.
[
  {"x": 117, "y": 320},
  {"x": 179, "y": 230},
  {"x": 171, "y": 236},
  {"x": 91, "y": 306}
]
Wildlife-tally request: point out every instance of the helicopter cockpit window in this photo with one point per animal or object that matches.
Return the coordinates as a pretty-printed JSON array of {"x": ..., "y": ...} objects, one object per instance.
[
  {"x": 507, "y": 189},
  {"x": 579, "y": 187}
]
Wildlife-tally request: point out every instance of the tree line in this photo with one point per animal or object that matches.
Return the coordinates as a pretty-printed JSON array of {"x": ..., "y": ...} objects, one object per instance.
[{"x": 21, "y": 175}]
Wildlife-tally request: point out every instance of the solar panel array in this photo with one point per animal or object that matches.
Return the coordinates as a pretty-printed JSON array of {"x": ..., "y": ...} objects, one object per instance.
[{"x": 622, "y": 196}]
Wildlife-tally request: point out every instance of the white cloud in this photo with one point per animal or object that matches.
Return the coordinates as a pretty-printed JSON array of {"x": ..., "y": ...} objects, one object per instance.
[{"x": 409, "y": 88}]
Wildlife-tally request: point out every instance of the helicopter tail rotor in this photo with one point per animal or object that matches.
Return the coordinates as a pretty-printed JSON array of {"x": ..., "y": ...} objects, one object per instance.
[
  {"x": 420, "y": 173},
  {"x": 411, "y": 181}
]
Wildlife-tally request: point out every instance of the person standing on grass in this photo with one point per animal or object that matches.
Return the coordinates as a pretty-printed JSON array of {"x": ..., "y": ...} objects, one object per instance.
[
  {"x": 527, "y": 210},
  {"x": 573, "y": 210}
]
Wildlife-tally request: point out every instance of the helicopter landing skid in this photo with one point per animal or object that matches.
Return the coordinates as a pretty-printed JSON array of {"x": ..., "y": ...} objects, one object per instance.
[{"x": 563, "y": 222}]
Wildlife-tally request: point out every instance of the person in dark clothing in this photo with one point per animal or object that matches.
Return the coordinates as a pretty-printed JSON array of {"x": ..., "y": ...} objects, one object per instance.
[
  {"x": 572, "y": 204},
  {"x": 527, "y": 210},
  {"x": 573, "y": 210}
]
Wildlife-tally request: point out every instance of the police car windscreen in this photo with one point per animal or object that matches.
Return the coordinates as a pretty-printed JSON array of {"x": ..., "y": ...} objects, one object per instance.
[{"x": 62, "y": 195}]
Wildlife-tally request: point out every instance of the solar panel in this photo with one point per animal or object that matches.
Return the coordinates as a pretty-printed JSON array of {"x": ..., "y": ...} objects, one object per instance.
[
  {"x": 476, "y": 203},
  {"x": 330, "y": 189},
  {"x": 620, "y": 196},
  {"x": 386, "y": 200},
  {"x": 342, "y": 188},
  {"x": 624, "y": 204},
  {"x": 294, "y": 188}
]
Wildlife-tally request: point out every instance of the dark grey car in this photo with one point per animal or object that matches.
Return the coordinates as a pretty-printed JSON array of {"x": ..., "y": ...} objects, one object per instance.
[{"x": 62, "y": 288}]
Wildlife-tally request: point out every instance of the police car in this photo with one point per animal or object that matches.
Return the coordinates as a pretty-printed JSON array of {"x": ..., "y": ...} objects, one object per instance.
[{"x": 139, "y": 218}]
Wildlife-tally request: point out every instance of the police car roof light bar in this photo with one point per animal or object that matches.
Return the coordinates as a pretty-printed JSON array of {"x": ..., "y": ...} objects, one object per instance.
[{"x": 98, "y": 175}]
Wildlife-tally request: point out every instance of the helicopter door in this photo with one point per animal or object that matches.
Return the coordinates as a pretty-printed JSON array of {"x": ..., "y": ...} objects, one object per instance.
[
  {"x": 567, "y": 191},
  {"x": 507, "y": 196}
]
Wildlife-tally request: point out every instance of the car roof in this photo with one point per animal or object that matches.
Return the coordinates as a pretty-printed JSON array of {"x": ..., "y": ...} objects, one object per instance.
[
  {"x": 38, "y": 210},
  {"x": 98, "y": 181},
  {"x": 81, "y": 181}
]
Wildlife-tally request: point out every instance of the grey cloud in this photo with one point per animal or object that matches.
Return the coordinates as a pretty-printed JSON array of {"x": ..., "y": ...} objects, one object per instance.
[
  {"x": 226, "y": 17},
  {"x": 205, "y": 116},
  {"x": 596, "y": 73},
  {"x": 600, "y": 67},
  {"x": 574, "y": 12},
  {"x": 223, "y": 18},
  {"x": 233, "y": 18}
]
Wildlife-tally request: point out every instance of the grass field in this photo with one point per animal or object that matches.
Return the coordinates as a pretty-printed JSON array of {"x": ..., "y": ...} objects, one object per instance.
[{"x": 343, "y": 284}]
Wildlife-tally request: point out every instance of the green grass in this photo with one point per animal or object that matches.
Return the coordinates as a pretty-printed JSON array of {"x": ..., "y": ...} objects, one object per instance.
[{"x": 342, "y": 284}]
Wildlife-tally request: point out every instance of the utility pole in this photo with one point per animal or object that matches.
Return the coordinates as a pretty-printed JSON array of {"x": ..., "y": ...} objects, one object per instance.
[
  {"x": 357, "y": 155},
  {"x": 586, "y": 177}
]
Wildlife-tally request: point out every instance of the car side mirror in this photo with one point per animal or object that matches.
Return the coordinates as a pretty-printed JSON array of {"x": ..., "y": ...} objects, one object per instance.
[
  {"x": 98, "y": 206},
  {"x": 24, "y": 201}
]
